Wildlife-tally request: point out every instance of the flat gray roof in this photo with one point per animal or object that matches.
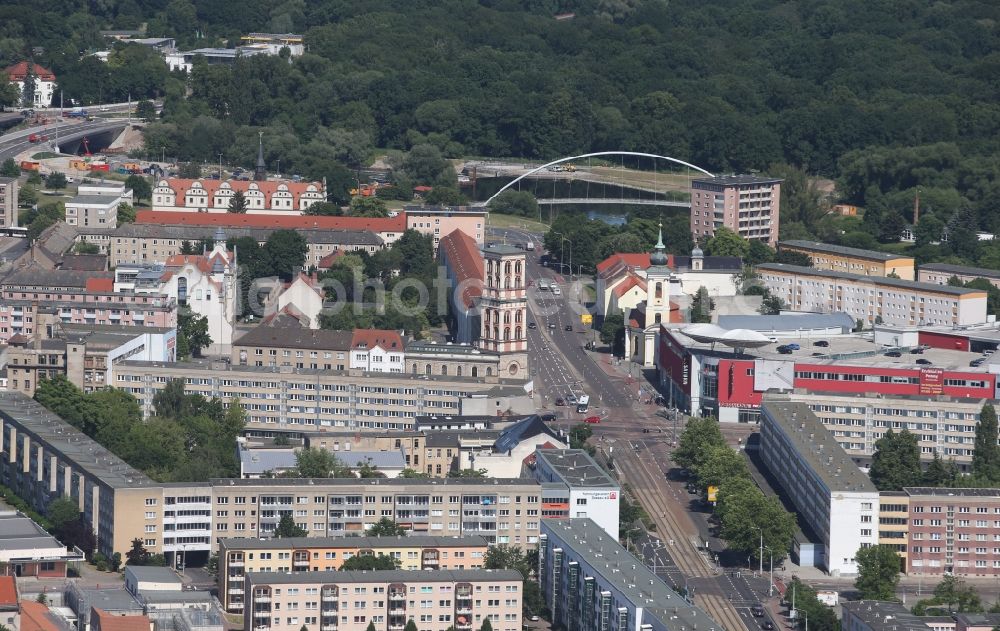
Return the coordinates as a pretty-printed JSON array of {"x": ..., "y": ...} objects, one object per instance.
[
  {"x": 575, "y": 468},
  {"x": 816, "y": 445},
  {"x": 153, "y": 573},
  {"x": 946, "y": 492},
  {"x": 627, "y": 574},
  {"x": 156, "y": 231},
  {"x": 787, "y": 322},
  {"x": 257, "y": 461},
  {"x": 729, "y": 180},
  {"x": 384, "y": 576},
  {"x": 18, "y": 532},
  {"x": 858, "y": 253},
  {"x": 430, "y": 346},
  {"x": 296, "y": 337},
  {"x": 872, "y": 280},
  {"x": 422, "y": 541},
  {"x": 72, "y": 445},
  {"x": 881, "y": 615}
]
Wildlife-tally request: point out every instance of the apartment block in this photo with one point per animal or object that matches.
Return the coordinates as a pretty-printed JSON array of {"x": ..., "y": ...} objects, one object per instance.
[
  {"x": 8, "y": 202},
  {"x": 941, "y": 273},
  {"x": 438, "y": 221},
  {"x": 944, "y": 426},
  {"x": 499, "y": 510},
  {"x": 85, "y": 355},
  {"x": 75, "y": 298},
  {"x": 830, "y": 493},
  {"x": 590, "y": 581},
  {"x": 299, "y": 399},
  {"x": 838, "y": 258},
  {"x": 42, "y": 458},
  {"x": 746, "y": 204},
  {"x": 953, "y": 531},
  {"x": 99, "y": 211},
  {"x": 238, "y": 557},
  {"x": 874, "y": 299},
  {"x": 388, "y": 599},
  {"x": 136, "y": 243}
]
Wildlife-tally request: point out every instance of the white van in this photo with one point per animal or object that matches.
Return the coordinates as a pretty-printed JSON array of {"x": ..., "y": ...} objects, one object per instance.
[{"x": 556, "y": 290}]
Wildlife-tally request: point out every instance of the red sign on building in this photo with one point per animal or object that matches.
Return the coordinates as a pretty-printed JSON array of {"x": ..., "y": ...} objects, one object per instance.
[{"x": 931, "y": 381}]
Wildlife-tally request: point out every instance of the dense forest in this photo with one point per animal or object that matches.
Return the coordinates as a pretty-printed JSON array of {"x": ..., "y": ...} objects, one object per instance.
[{"x": 887, "y": 97}]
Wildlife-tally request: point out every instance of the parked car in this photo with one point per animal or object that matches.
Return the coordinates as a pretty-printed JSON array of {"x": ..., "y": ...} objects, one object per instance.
[
  {"x": 917, "y": 351},
  {"x": 560, "y": 401},
  {"x": 784, "y": 350},
  {"x": 924, "y": 362},
  {"x": 593, "y": 420},
  {"x": 893, "y": 354},
  {"x": 793, "y": 346},
  {"x": 976, "y": 362},
  {"x": 548, "y": 417},
  {"x": 821, "y": 343}
]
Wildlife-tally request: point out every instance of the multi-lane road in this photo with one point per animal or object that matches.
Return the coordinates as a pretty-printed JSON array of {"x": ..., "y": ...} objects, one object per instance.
[
  {"x": 638, "y": 439},
  {"x": 13, "y": 143}
]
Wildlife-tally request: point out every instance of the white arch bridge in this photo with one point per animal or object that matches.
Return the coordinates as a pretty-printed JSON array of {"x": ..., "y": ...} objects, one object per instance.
[{"x": 590, "y": 200}]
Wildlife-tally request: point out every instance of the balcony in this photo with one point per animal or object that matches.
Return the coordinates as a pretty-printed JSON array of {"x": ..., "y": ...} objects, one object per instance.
[
  {"x": 397, "y": 596},
  {"x": 396, "y": 626},
  {"x": 262, "y": 613},
  {"x": 328, "y": 627},
  {"x": 463, "y": 610},
  {"x": 233, "y": 591},
  {"x": 236, "y": 563},
  {"x": 397, "y": 611},
  {"x": 262, "y": 599}
]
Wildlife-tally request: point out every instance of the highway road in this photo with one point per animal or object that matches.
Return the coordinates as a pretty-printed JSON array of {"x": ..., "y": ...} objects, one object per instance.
[{"x": 15, "y": 142}]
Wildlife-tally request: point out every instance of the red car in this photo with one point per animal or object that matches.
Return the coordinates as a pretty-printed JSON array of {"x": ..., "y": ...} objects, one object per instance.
[{"x": 593, "y": 420}]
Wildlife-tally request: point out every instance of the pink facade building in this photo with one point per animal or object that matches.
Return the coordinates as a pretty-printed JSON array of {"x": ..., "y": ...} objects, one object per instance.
[
  {"x": 75, "y": 298},
  {"x": 746, "y": 204},
  {"x": 953, "y": 531},
  {"x": 439, "y": 221},
  {"x": 435, "y": 600}
]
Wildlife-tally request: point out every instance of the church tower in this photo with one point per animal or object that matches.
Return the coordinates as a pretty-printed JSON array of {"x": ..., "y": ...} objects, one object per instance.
[
  {"x": 658, "y": 284},
  {"x": 503, "y": 310}
]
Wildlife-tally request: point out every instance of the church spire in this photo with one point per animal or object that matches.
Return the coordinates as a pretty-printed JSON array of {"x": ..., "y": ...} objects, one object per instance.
[
  {"x": 659, "y": 255},
  {"x": 260, "y": 172}
]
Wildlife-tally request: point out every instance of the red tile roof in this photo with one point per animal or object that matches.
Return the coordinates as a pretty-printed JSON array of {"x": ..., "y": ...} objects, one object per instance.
[
  {"x": 465, "y": 262},
  {"x": 327, "y": 261},
  {"x": 371, "y": 338},
  {"x": 35, "y": 617},
  {"x": 8, "y": 591},
  {"x": 633, "y": 280},
  {"x": 638, "y": 260},
  {"x": 19, "y": 71},
  {"x": 100, "y": 284},
  {"x": 103, "y": 621},
  {"x": 395, "y": 224}
]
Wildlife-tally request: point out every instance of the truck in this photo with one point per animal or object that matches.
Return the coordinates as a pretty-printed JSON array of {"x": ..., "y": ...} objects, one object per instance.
[
  {"x": 582, "y": 403},
  {"x": 529, "y": 246},
  {"x": 37, "y": 138},
  {"x": 30, "y": 165},
  {"x": 76, "y": 112}
]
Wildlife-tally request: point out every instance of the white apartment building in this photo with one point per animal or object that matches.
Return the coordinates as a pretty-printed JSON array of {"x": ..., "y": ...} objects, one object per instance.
[
  {"x": 593, "y": 494},
  {"x": 945, "y": 426},
  {"x": 833, "y": 496},
  {"x": 873, "y": 299},
  {"x": 377, "y": 350},
  {"x": 93, "y": 211}
]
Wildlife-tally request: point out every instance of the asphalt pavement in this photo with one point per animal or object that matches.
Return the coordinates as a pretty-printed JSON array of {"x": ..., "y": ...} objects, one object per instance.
[{"x": 13, "y": 143}]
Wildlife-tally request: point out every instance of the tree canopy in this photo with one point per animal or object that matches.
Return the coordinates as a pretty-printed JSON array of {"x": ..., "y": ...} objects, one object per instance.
[{"x": 878, "y": 572}]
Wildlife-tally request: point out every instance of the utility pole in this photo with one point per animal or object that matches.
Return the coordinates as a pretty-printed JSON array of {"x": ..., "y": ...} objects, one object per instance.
[
  {"x": 129, "y": 109},
  {"x": 761, "y": 551},
  {"x": 59, "y": 122}
]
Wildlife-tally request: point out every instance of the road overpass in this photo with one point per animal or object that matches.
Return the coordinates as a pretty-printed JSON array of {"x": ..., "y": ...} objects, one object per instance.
[{"x": 100, "y": 134}]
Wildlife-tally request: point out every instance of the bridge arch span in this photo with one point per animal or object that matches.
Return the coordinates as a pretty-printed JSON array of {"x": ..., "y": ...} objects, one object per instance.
[{"x": 594, "y": 155}]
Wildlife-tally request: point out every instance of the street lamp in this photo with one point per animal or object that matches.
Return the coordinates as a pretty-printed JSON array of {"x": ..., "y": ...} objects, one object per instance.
[
  {"x": 770, "y": 585},
  {"x": 761, "y": 550}
]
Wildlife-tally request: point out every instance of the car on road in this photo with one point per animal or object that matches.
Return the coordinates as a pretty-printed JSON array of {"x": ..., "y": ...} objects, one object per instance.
[
  {"x": 893, "y": 354},
  {"x": 593, "y": 420},
  {"x": 568, "y": 327},
  {"x": 793, "y": 346},
  {"x": 757, "y": 611},
  {"x": 767, "y": 625},
  {"x": 924, "y": 362},
  {"x": 552, "y": 325},
  {"x": 533, "y": 618},
  {"x": 821, "y": 343},
  {"x": 571, "y": 399},
  {"x": 784, "y": 350},
  {"x": 532, "y": 325},
  {"x": 548, "y": 417}
]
